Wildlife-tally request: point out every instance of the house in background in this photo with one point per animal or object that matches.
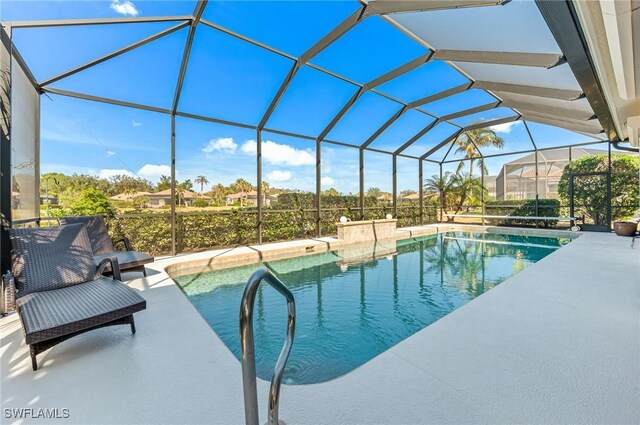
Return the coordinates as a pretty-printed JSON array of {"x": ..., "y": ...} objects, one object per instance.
[
  {"x": 250, "y": 198},
  {"x": 163, "y": 198}
]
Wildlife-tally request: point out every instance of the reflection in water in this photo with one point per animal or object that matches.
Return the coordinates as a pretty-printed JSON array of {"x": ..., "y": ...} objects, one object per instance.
[{"x": 354, "y": 304}]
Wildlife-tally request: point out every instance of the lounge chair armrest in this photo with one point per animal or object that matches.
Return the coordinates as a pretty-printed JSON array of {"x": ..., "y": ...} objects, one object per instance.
[
  {"x": 115, "y": 267},
  {"x": 126, "y": 242},
  {"x": 8, "y": 293}
]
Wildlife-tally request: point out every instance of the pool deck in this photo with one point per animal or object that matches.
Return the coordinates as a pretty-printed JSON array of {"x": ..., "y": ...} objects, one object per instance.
[{"x": 557, "y": 343}]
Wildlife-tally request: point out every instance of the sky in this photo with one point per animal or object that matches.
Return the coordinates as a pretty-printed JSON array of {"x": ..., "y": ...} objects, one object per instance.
[{"x": 234, "y": 80}]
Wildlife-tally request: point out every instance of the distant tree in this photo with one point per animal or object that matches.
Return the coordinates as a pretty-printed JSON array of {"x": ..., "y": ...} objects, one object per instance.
[
  {"x": 374, "y": 191},
  {"x": 407, "y": 192},
  {"x": 186, "y": 185},
  {"x": 330, "y": 192},
  {"x": 127, "y": 184},
  {"x": 92, "y": 201},
  {"x": 163, "y": 184},
  {"x": 470, "y": 141},
  {"x": 218, "y": 193},
  {"x": 201, "y": 180},
  {"x": 140, "y": 201},
  {"x": 591, "y": 194},
  {"x": 242, "y": 186},
  {"x": 180, "y": 193}
]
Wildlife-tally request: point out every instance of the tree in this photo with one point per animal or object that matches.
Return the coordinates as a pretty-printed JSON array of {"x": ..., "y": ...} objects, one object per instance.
[
  {"x": 407, "y": 192},
  {"x": 163, "y": 184},
  {"x": 330, "y": 192},
  {"x": 186, "y": 185},
  {"x": 242, "y": 186},
  {"x": 470, "y": 141},
  {"x": 374, "y": 192},
  {"x": 127, "y": 184},
  {"x": 465, "y": 189},
  {"x": 180, "y": 192},
  {"x": 218, "y": 193},
  {"x": 591, "y": 194},
  {"x": 140, "y": 201},
  {"x": 92, "y": 201},
  {"x": 434, "y": 186},
  {"x": 201, "y": 180}
]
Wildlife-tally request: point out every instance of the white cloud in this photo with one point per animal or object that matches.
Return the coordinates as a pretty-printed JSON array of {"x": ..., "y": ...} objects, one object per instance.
[
  {"x": 108, "y": 173},
  {"x": 326, "y": 181},
  {"x": 221, "y": 144},
  {"x": 136, "y": 123},
  {"x": 504, "y": 128},
  {"x": 153, "y": 172},
  {"x": 280, "y": 154},
  {"x": 124, "y": 7},
  {"x": 111, "y": 153},
  {"x": 279, "y": 176}
]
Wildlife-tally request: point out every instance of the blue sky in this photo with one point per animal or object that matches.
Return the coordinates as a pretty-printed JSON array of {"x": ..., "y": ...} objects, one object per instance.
[{"x": 234, "y": 80}]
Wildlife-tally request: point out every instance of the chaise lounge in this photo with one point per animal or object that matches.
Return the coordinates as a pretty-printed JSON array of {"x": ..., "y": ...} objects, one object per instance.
[
  {"x": 104, "y": 248},
  {"x": 59, "y": 294}
]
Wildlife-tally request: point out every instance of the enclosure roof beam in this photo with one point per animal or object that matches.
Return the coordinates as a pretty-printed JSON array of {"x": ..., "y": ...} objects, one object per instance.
[
  {"x": 384, "y": 126},
  {"x": 526, "y": 107},
  {"x": 552, "y": 93},
  {"x": 416, "y": 137},
  {"x": 541, "y": 60},
  {"x": 471, "y": 111},
  {"x": 215, "y": 120},
  {"x": 579, "y": 126},
  {"x": 385, "y": 7},
  {"x": 97, "y": 21},
  {"x": 453, "y": 142},
  {"x": 562, "y": 20},
  {"x": 402, "y": 69},
  {"x": 197, "y": 14},
  {"x": 239, "y": 36},
  {"x": 104, "y": 100},
  {"x": 441, "y": 144},
  {"x": 486, "y": 124},
  {"x": 337, "y": 32},
  {"x": 115, "y": 53},
  {"x": 441, "y": 95}
]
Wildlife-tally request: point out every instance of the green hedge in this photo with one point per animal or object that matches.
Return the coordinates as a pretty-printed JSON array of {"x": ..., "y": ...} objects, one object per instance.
[
  {"x": 523, "y": 208},
  {"x": 199, "y": 231}
]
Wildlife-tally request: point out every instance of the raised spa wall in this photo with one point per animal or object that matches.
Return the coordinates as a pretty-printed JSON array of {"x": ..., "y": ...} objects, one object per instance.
[{"x": 367, "y": 230}]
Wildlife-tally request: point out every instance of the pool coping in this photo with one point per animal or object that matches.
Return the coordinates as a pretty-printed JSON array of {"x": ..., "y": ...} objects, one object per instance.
[{"x": 243, "y": 255}]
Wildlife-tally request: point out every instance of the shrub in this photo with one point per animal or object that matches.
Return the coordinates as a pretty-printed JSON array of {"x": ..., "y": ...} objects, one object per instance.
[
  {"x": 200, "y": 203},
  {"x": 524, "y": 208}
]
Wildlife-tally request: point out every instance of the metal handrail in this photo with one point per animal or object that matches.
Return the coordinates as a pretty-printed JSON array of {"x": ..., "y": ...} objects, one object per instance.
[{"x": 248, "y": 352}]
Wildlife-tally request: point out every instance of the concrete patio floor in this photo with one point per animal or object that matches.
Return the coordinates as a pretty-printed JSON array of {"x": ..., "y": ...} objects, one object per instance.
[{"x": 557, "y": 343}]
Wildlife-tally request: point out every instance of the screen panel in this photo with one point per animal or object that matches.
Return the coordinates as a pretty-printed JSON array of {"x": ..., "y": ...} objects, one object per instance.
[{"x": 25, "y": 144}]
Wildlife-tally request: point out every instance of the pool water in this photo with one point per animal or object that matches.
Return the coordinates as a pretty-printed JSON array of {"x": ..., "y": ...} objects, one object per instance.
[{"x": 355, "y": 303}]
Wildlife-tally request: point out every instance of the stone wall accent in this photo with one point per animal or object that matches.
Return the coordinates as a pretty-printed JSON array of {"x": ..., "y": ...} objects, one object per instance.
[{"x": 367, "y": 230}]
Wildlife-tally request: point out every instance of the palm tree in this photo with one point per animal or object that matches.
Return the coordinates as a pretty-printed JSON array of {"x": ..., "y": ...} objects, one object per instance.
[
  {"x": 219, "y": 192},
  {"x": 471, "y": 140},
  {"x": 201, "y": 180},
  {"x": 243, "y": 187},
  {"x": 265, "y": 191},
  {"x": 180, "y": 194},
  {"x": 465, "y": 188}
]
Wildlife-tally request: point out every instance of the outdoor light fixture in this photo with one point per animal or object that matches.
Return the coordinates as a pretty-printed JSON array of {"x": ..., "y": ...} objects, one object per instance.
[
  {"x": 343, "y": 219},
  {"x": 389, "y": 216}
]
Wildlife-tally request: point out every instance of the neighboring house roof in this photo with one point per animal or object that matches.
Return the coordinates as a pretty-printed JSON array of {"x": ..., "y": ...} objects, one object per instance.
[
  {"x": 128, "y": 196},
  {"x": 186, "y": 195},
  {"x": 410, "y": 197}
]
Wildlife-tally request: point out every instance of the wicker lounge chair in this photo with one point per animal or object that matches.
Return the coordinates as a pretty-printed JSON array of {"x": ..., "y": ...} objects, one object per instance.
[
  {"x": 59, "y": 293},
  {"x": 104, "y": 248}
]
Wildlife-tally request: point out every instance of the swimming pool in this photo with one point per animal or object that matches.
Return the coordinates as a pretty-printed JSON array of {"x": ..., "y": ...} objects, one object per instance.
[{"x": 355, "y": 303}]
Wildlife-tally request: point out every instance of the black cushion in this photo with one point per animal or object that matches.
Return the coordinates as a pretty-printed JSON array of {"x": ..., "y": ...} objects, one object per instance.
[
  {"x": 46, "y": 258},
  {"x": 97, "y": 230},
  {"x": 51, "y": 314}
]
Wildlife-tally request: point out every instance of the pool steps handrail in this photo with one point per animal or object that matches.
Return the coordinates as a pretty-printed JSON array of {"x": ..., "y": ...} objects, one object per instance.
[{"x": 247, "y": 347}]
